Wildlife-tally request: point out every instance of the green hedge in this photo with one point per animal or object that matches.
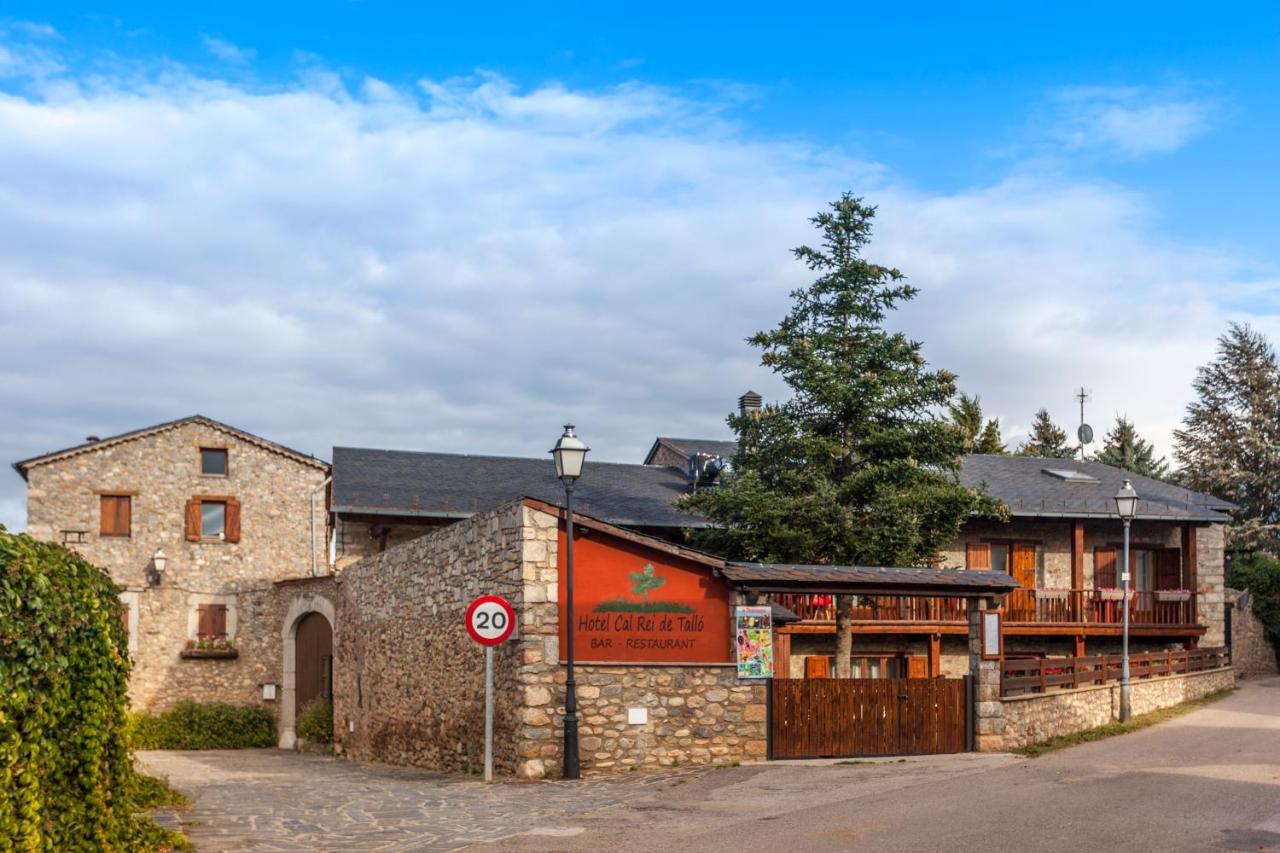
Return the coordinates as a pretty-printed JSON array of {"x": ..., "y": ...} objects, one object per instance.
[
  {"x": 203, "y": 725},
  {"x": 1260, "y": 574},
  {"x": 66, "y": 777},
  {"x": 315, "y": 723}
]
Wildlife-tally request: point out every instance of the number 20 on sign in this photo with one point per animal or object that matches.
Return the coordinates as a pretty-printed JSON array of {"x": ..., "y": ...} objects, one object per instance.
[{"x": 490, "y": 621}]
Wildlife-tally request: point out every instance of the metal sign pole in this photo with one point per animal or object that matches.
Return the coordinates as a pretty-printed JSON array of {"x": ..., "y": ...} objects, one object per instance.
[{"x": 488, "y": 713}]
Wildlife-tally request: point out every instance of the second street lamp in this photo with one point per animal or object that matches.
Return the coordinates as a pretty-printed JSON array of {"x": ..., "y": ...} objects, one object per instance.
[
  {"x": 569, "y": 454},
  {"x": 1126, "y": 508}
]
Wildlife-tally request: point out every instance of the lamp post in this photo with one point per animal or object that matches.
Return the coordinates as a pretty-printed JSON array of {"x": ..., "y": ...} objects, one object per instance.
[
  {"x": 1126, "y": 508},
  {"x": 569, "y": 453}
]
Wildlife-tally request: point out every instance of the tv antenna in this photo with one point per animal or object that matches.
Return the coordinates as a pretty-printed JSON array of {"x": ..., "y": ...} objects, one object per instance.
[{"x": 1085, "y": 432}]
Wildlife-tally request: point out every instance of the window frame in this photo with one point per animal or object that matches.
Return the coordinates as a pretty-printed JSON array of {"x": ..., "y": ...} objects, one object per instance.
[
  {"x": 226, "y": 461},
  {"x": 105, "y": 496},
  {"x": 221, "y": 535}
]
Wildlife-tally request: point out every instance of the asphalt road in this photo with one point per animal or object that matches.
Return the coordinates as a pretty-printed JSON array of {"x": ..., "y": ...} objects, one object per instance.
[{"x": 1207, "y": 781}]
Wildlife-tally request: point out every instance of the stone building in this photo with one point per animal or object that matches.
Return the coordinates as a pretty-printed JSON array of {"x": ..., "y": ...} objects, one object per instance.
[{"x": 196, "y": 521}]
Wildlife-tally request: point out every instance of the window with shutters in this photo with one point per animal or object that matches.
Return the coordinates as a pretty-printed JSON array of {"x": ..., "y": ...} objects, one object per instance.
[
  {"x": 213, "y": 518},
  {"x": 116, "y": 515},
  {"x": 211, "y": 622},
  {"x": 1023, "y": 560}
]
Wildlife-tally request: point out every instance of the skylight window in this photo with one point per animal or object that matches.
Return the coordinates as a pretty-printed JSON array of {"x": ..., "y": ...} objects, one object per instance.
[{"x": 1070, "y": 475}]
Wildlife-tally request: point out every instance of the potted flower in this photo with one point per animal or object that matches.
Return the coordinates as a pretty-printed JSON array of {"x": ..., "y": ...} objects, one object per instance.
[{"x": 207, "y": 648}]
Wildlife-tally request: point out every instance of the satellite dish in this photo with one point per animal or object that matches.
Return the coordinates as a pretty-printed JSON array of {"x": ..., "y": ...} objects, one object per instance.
[{"x": 1085, "y": 433}]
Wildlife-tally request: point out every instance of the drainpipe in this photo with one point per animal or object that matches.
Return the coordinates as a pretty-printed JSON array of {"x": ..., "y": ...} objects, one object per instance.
[{"x": 311, "y": 503}]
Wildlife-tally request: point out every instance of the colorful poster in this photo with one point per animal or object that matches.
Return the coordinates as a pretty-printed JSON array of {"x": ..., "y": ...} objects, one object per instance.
[{"x": 754, "y": 641}]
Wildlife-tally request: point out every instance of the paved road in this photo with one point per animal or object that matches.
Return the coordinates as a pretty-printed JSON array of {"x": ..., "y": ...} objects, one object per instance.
[{"x": 1206, "y": 781}]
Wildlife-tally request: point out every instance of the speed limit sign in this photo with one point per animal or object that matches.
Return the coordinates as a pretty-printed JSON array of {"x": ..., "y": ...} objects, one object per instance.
[{"x": 490, "y": 620}]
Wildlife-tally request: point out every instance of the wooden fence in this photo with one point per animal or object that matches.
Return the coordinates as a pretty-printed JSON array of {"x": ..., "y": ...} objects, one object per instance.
[{"x": 1041, "y": 675}]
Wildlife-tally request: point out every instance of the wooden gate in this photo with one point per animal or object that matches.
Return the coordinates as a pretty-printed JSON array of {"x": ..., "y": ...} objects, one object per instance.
[{"x": 849, "y": 717}]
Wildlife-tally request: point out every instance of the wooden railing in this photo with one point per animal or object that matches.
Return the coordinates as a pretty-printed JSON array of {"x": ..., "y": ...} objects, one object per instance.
[
  {"x": 1100, "y": 607},
  {"x": 1022, "y": 606},
  {"x": 877, "y": 608},
  {"x": 1042, "y": 675}
]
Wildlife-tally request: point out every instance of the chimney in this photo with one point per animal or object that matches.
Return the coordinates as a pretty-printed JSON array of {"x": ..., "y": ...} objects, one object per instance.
[{"x": 749, "y": 404}]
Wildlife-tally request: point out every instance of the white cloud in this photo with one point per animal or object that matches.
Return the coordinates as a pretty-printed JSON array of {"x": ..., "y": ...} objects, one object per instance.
[
  {"x": 228, "y": 52},
  {"x": 464, "y": 269},
  {"x": 1131, "y": 120}
]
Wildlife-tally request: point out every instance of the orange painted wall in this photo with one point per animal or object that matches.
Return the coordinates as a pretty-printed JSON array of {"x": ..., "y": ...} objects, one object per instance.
[{"x": 686, "y": 620}]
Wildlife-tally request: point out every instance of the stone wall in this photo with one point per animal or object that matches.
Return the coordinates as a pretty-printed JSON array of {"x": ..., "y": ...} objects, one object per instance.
[
  {"x": 357, "y": 537},
  {"x": 1211, "y": 583},
  {"x": 161, "y": 471},
  {"x": 408, "y": 680},
  {"x": 1037, "y": 717},
  {"x": 1251, "y": 652}
]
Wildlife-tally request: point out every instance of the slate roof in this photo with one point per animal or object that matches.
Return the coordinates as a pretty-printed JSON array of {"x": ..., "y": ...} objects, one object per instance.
[
  {"x": 448, "y": 485},
  {"x": 1023, "y": 482},
  {"x": 687, "y": 447},
  {"x": 23, "y": 466},
  {"x": 922, "y": 581}
]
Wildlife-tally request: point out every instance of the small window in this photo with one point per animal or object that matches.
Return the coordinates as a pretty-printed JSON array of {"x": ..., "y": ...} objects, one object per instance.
[
  {"x": 116, "y": 512},
  {"x": 213, "y": 460},
  {"x": 211, "y": 622},
  {"x": 1000, "y": 558},
  {"x": 213, "y": 519}
]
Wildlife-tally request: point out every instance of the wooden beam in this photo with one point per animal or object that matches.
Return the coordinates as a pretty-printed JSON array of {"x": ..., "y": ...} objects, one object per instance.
[
  {"x": 782, "y": 656},
  {"x": 1079, "y": 646},
  {"x": 935, "y": 655},
  {"x": 1189, "y": 556},
  {"x": 1077, "y": 554}
]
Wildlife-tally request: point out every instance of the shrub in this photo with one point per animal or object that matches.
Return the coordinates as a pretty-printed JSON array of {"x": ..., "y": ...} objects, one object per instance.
[
  {"x": 1260, "y": 574},
  {"x": 316, "y": 721},
  {"x": 66, "y": 777},
  {"x": 203, "y": 725}
]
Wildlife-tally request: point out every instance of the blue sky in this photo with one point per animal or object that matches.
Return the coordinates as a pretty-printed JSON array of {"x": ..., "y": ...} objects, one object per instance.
[{"x": 391, "y": 225}]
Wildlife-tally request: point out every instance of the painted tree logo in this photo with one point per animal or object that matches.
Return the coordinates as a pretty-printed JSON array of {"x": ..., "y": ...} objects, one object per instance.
[{"x": 645, "y": 580}]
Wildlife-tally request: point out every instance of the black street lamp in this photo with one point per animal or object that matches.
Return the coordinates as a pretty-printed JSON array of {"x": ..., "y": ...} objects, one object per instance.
[
  {"x": 1126, "y": 508},
  {"x": 569, "y": 453}
]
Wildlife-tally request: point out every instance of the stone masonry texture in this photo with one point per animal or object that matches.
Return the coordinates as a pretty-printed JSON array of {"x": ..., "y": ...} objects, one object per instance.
[
  {"x": 1038, "y": 717},
  {"x": 162, "y": 471},
  {"x": 409, "y": 681},
  {"x": 1251, "y": 652}
]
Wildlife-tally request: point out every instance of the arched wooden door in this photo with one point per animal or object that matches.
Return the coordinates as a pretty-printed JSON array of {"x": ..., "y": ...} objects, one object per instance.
[{"x": 314, "y": 668}]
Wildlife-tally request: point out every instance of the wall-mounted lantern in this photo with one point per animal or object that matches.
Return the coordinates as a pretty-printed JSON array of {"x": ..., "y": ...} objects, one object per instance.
[{"x": 156, "y": 570}]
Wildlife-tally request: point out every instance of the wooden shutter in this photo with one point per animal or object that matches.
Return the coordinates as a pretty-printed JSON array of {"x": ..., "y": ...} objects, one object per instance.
[
  {"x": 114, "y": 512},
  {"x": 1104, "y": 568},
  {"x": 218, "y": 621},
  {"x": 124, "y": 615},
  {"x": 917, "y": 666},
  {"x": 1168, "y": 568},
  {"x": 204, "y": 621},
  {"x": 1024, "y": 565},
  {"x": 233, "y": 520},
  {"x": 978, "y": 556},
  {"x": 817, "y": 666},
  {"x": 193, "y": 520}
]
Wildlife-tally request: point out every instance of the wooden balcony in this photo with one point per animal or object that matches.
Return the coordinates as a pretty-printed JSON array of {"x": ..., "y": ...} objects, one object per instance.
[{"x": 1032, "y": 611}]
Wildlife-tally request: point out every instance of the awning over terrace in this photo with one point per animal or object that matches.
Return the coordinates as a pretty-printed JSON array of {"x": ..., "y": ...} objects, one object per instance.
[{"x": 867, "y": 580}]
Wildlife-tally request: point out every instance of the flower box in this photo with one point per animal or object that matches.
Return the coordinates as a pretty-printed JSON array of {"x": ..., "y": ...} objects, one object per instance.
[
  {"x": 1111, "y": 594},
  {"x": 1052, "y": 594},
  {"x": 209, "y": 654},
  {"x": 1173, "y": 595}
]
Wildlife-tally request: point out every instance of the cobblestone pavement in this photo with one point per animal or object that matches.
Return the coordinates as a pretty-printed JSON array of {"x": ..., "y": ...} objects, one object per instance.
[{"x": 263, "y": 800}]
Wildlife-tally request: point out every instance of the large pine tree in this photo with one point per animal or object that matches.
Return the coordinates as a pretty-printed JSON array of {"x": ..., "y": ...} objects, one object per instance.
[
  {"x": 978, "y": 434},
  {"x": 1124, "y": 448},
  {"x": 1047, "y": 439},
  {"x": 857, "y": 467},
  {"x": 1229, "y": 443}
]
